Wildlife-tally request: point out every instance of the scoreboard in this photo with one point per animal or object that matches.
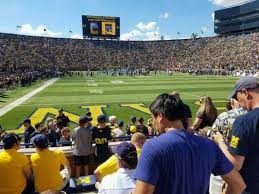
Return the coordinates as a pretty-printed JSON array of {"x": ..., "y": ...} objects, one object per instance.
[{"x": 101, "y": 27}]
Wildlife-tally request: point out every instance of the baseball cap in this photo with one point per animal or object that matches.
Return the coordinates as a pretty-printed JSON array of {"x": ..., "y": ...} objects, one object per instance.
[
  {"x": 60, "y": 110},
  {"x": 244, "y": 83},
  {"x": 102, "y": 118},
  {"x": 84, "y": 119},
  {"x": 10, "y": 138},
  {"x": 120, "y": 123},
  {"x": 40, "y": 141},
  {"x": 124, "y": 149}
]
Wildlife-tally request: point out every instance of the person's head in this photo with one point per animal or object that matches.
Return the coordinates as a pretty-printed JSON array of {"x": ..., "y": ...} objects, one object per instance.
[
  {"x": 40, "y": 141},
  {"x": 83, "y": 121},
  {"x": 38, "y": 127},
  {"x": 11, "y": 141},
  {"x": 27, "y": 123},
  {"x": 133, "y": 119},
  {"x": 88, "y": 114},
  {"x": 138, "y": 139},
  {"x": 65, "y": 132},
  {"x": 141, "y": 120},
  {"x": 101, "y": 119},
  {"x": 126, "y": 154},
  {"x": 52, "y": 126},
  {"x": 246, "y": 92},
  {"x": 112, "y": 119},
  {"x": 208, "y": 108},
  {"x": 234, "y": 103},
  {"x": 60, "y": 111},
  {"x": 120, "y": 124},
  {"x": 167, "y": 111},
  {"x": 45, "y": 131}
]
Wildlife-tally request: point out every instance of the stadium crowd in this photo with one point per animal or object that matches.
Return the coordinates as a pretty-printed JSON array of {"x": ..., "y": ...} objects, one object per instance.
[
  {"x": 24, "y": 58},
  {"x": 215, "y": 154}
]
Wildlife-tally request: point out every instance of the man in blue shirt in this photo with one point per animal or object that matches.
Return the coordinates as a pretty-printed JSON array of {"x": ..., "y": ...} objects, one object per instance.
[
  {"x": 178, "y": 162},
  {"x": 243, "y": 149}
]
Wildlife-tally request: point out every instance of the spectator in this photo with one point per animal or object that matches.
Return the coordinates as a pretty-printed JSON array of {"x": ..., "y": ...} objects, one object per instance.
[
  {"x": 48, "y": 176},
  {"x": 224, "y": 124},
  {"x": 89, "y": 115},
  {"x": 243, "y": 147},
  {"x": 187, "y": 122},
  {"x": 83, "y": 147},
  {"x": 112, "y": 122},
  {"x": 39, "y": 128},
  {"x": 28, "y": 130},
  {"x": 206, "y": 114},
  {"x": 133, "y": 120},
  {"x": 101, "y": 136},
  {"x": 118, "y": 132},
  {"x": 65, "y": 138},
  {"x": 52, "y": 127},
  {"x": 123, "y": 181},
  {"x": 14, "y": 166},
  {"x": 111, "y": 166},
  {"x": 141, "y": 127},
  {"x": 178, "y": 161},
  {"x": 62, "y": 119}
]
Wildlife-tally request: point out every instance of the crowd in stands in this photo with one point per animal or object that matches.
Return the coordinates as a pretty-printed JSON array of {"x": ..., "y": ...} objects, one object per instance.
[{"x": 23, "y": 59}]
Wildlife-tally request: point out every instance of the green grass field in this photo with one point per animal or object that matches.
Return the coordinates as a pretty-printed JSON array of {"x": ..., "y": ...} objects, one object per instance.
[{"x": 74, "y": 93}]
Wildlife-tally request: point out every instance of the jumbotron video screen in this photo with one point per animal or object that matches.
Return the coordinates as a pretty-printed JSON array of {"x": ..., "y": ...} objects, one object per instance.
[{"x": 101, "y": 27}]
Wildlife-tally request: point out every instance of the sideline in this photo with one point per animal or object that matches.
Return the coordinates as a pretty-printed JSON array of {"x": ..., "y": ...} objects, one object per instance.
[{"x": 21, "y": 100}]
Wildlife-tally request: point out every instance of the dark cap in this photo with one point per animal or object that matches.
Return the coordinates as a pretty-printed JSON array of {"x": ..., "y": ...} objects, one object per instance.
[
  {"x": 60, "y": 110},
  {"x": 133, "y": 119},
  {"x": 124, "y": 149},
  {"x": 101, "y": 118},
  {"x": 84, "y": 119},
  {"x": 120, "y": 123},
  {"x": 245, "y": 83},
  {"x": 27, "y": 121},
  {"x": 40, "y": 141},
  {"x": 10, "y": 138}
]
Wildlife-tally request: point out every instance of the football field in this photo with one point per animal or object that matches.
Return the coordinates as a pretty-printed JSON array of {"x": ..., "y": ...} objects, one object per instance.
[{"x": 122, "y": 96}]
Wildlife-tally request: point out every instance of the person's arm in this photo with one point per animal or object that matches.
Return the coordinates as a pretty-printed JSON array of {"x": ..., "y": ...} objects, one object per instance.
[
  {"x": 98, "y": 176},
  {"x": 144, "y": 188},
  {"x": 27, "y": 171},
  {"x": 196, "y": 123},
  {"x": 235, "y": 183},
  {"x": 189, "y": 124},
  {"x": 236, "y": 160}
]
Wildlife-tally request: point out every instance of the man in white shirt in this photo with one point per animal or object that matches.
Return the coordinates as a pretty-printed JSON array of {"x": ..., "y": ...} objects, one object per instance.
[{"x": 122, "y": 182}]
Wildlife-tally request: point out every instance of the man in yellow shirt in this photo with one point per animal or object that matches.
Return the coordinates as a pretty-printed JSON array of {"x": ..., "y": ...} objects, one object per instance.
[
  {"x": 111, "y": 165},
  {"x": 14, "y": 167},
  {"x": 46, "y": 166}
]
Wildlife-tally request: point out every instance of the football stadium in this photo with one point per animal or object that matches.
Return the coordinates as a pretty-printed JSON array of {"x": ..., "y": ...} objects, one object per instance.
[{"x": 117, "y": 112}]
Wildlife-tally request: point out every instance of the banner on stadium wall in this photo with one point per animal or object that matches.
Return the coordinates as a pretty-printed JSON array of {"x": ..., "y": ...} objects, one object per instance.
[{"x": 101, "y": 27}]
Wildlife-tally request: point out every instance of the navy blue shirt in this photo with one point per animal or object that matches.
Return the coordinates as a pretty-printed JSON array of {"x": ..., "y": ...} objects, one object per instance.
[
  {"x": 245, "y": 142},
  {"x": 179, "y": 162}
]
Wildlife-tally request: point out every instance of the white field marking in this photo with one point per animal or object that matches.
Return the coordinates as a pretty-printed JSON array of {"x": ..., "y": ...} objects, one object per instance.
[
  {"x": 91, "y": 80},
  {"x": 92, "y": 84},
  {"x": 95, "y": 91},
  {"x": 117, "y": 82},
  {"x": 24, "y": 98},
  {"x": 192, "y": 95}
]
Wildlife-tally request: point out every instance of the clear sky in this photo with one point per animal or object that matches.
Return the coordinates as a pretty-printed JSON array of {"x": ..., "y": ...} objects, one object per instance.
[{"x": 140, "y": 19}]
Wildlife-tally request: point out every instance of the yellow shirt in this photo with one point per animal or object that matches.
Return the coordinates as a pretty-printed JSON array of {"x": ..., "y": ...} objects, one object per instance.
[
  {"x": 46, "y": 169},
  {"x": 111, "y": 165},
  {"x": 12, "y": 165}
]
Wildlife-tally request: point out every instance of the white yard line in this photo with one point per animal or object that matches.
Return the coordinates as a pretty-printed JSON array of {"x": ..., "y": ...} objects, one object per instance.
[{"x": 21, "y": 100}]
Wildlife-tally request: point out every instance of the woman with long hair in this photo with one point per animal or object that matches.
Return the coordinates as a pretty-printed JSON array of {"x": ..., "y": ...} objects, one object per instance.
[{"x": 206, "y": 115}]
